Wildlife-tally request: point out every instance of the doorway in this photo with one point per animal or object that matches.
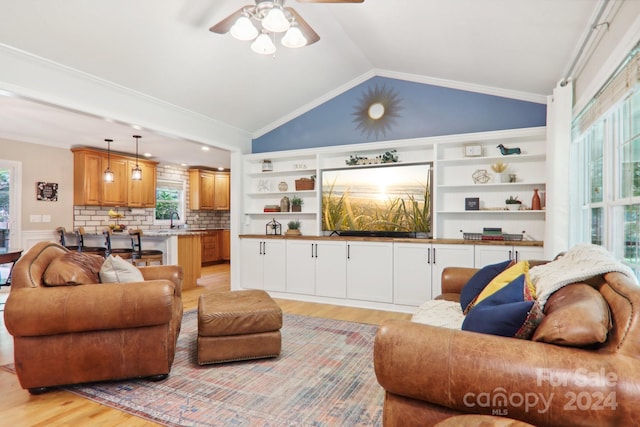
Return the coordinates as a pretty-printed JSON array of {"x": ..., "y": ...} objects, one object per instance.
[{"x": 10, "y": 205}]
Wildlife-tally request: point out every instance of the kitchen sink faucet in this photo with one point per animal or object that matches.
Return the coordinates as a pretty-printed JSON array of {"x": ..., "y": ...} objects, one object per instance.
[{"x": 177, "y": 217}]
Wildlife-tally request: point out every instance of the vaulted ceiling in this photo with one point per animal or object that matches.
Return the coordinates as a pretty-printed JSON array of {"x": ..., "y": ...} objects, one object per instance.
[{"x": 164, "y": 49}]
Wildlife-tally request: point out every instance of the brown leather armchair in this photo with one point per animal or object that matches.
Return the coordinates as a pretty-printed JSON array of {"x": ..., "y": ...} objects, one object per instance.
[
  {"x": 431, "y": 374},
  {"x": 91, "y": 332}
]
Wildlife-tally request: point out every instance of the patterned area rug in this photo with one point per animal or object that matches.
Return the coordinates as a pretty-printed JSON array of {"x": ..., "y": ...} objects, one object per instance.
[{"x": 323, "y": 377}]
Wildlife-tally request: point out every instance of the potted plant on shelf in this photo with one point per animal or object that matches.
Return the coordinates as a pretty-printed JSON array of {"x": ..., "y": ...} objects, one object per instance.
[
  {"x": 296, "y": 204},
  {"x": 513, "y": 204},
  {"x": 293, "y": 228}
]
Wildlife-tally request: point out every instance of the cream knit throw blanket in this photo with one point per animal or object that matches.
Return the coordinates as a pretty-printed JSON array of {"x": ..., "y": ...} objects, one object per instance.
[{"x": 579, "y": 263}]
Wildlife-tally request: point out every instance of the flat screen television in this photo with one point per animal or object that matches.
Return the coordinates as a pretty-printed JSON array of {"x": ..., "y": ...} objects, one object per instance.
[{"x": 381, "y": 200}]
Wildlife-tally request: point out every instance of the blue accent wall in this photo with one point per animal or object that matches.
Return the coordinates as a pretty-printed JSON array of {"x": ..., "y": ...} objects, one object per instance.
[{"x": 424, "y": 110}]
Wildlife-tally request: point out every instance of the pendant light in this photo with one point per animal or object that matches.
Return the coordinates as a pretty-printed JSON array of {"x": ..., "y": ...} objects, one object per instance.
[
  {"x": 108, "y": 174},
  {"x": 136, "y": 173}
]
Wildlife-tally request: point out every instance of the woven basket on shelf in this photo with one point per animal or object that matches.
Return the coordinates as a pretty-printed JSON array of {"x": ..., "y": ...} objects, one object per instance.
[{"x": 305, "y": 184}]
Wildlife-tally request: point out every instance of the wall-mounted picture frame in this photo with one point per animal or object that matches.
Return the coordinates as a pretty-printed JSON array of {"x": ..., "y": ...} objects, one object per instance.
[
  {"x": 472, "y": 204},
  {"x": 473, "y": 150},
  {"x": 47, "y": 191}
]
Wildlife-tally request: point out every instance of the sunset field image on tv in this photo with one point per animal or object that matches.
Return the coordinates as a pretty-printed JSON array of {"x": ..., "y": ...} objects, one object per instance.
[{"x": 378, "y": 200}]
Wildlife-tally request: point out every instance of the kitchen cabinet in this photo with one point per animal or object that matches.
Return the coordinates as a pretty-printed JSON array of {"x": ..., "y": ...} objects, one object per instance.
[
  {"x": 263, "y": 264},
  {"x": 317, "y": 268},
  {"x": 115, "y": 193},
  {"x": 211, "y": 247},
  {"x": 417, "y": 270},
  {"x": 142, "y": 194},
  {"x": 89, "y": 188},
  {"x": 370, "y": 271},
  {"x": 209, "y": 190},
  {"x": 490, "y": 254},
  {"x": 226, "y": 245}
]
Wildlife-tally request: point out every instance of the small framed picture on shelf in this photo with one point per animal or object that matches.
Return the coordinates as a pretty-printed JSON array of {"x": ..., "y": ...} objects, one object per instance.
[
  {"x": 472, "y": 204},
  {"x": 472, "y": 150}
]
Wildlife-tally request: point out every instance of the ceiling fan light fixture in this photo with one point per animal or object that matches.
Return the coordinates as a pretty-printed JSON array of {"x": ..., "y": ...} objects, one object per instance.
[
  {"x": 263, "y": 45},
  {"x": 244, "y": 29},
  {"x": 275, "y": 20},
  {"x": 293, "y": 38}
]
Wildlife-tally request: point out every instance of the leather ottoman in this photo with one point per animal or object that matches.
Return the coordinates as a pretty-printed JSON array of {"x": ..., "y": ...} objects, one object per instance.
[{"x": 238, "y": 325}]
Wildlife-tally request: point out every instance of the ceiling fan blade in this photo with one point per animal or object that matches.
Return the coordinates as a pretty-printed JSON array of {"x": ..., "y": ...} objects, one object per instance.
[
  {"x": 330, "y": 1},
  {"x": 225, "y": 25},
  {"x": 305, "y": 28}
]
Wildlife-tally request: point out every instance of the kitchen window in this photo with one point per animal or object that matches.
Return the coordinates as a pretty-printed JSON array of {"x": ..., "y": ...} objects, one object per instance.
[{"x": 170, "y": 199}]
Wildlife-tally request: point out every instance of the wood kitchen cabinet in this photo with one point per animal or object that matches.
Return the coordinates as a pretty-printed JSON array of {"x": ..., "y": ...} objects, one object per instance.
[
  {"x": 211, "y": 251},
  {"x": 216, "y": 246},
  {"x": 226, "y": 245},
  {"x": 89, "y": 188},
  {"x": 209, "y": 190},
  {"x": 142, "y": 194}
]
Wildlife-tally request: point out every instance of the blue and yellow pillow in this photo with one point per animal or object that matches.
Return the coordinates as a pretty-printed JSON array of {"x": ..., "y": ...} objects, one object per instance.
[
  {"x": 479, "y": 281},
  {"x": 509, "y": 311}
]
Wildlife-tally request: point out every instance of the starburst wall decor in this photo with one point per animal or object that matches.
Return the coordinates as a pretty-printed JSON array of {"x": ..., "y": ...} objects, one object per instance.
[{"x": 377, "y": 110}]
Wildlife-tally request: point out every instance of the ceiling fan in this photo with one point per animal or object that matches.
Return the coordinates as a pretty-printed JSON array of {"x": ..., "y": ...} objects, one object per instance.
[{"x": 274, "y": 19}]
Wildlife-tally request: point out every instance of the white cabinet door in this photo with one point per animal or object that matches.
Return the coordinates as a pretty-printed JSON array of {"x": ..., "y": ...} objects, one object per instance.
[
  {"x": 411, "y": 273},
  {"x": 489, "y": 254},
  {"x": 274, "y": 260},
  {"x": 523, "y": 253},
  {"x": 251, "y": 263},
  {"x": 370, "y": 271},
  {"x": 301, "y": 267},
  {"x": 443, "y": 256},
  {"x": 331, "y": 269}
]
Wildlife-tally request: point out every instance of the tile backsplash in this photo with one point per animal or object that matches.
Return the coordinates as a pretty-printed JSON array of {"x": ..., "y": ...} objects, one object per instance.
[{"x": 95, "y": 218}]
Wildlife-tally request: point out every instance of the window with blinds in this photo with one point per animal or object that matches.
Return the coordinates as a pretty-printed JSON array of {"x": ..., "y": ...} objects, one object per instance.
[{"x": 607, "y": 134}]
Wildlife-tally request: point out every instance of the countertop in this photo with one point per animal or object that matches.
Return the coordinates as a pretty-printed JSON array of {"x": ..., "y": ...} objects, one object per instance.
[
  {"x": 179, "y": 232},
  {"x": 167, "y": 232},
  {"x": 395, "y": 239}
]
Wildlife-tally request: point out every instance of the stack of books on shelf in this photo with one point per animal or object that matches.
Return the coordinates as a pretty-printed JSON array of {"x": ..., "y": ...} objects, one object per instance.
[
  {"x": 271, "y": 208},
  {"x": 490, "y": 233}
]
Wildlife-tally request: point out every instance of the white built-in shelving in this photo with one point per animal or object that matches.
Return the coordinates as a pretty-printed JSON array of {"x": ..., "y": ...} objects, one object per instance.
[{"x": 452, "y": 181}]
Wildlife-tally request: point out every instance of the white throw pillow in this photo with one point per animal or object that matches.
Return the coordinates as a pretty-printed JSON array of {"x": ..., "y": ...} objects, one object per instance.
[{"x": 117, "y": 270}]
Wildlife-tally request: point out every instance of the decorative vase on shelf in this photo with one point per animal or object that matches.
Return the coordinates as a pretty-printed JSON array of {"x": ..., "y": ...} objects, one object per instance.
[
  {"x": 535, "y": 201},
  {"x": 283, "y": 186}
]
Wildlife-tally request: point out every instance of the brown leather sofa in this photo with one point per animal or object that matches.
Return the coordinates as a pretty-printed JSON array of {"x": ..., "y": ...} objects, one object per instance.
[
  {"x": 431, "y": 374},
  {"x": 91, "y": 332}
]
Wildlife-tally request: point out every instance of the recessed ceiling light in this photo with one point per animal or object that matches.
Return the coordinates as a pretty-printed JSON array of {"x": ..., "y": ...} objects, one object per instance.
[
  {"x": 147, "y": 154},
  {"x": 220, "y": 168},
  {"x": 205, "y": 148},
  {"x": 136, "y": 127}
]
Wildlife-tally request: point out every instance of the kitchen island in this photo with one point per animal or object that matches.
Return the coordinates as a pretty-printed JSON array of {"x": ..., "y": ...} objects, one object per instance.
[{"x": 179, "y": 247}]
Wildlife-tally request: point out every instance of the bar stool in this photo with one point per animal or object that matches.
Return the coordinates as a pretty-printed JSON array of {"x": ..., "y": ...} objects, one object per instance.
[
  {"x": 124, "y": 253},
  {"x": 143, "y": 256},
  {"x": 63, "y": 241},
  {"x": 98, "y": 250}
]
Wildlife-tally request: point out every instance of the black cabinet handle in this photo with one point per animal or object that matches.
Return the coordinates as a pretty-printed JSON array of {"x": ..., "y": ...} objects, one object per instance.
[
  {"x": 434, "y": 255},
  {"x": 348, "y": 251}
]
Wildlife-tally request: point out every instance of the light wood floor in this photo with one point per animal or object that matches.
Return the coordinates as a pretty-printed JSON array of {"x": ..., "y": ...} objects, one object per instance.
[{"x": 60, "y": 408}]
